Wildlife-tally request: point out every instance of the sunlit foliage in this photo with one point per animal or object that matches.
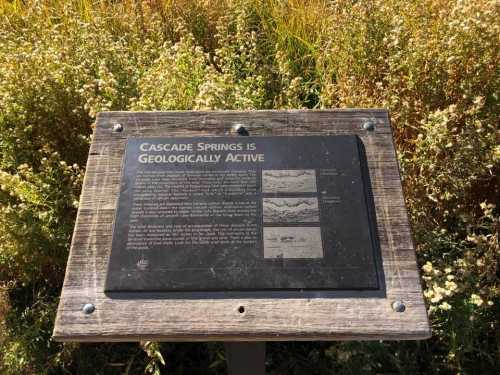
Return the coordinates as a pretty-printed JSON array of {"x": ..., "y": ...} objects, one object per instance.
[{"x": 433, "y": 63}]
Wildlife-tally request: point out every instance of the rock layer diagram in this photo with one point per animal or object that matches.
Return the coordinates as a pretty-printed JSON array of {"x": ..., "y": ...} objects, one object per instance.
[
  {"x": 283, "y": 181},
  {"x": 291, "y": 210}
]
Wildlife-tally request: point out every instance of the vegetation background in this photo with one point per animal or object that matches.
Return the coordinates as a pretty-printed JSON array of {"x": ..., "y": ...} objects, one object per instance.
[{"x": 433, "y": 63}]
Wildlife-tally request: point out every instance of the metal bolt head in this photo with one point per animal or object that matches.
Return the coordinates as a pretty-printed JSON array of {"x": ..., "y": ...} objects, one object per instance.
[
  {"x": 239, "y": 129},
  {"x": 398, "y": 306},
  {"x": 117, "y": 128},
  {"x": 88, "y": 308},
  {"x": 369, "y": 125}
]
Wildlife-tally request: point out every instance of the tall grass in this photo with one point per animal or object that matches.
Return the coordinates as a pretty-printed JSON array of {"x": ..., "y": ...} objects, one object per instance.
[{"x": 433, "y": 63}]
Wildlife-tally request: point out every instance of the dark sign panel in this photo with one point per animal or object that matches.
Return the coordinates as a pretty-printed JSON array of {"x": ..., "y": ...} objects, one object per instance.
[{"x": 244, "y": 213}]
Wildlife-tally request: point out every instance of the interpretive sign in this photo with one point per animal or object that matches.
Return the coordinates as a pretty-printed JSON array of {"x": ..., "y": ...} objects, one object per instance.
[
  {"x": 188, "y": 232},
  {"x": 244, "y": 213}
]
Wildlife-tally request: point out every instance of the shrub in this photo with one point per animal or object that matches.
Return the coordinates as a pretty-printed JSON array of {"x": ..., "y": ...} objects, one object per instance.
[{"x": 432, "y": 63}]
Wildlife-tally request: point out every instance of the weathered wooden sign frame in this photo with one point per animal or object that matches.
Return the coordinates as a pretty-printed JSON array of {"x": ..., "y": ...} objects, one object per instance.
[{"x": 86, "y": 313}]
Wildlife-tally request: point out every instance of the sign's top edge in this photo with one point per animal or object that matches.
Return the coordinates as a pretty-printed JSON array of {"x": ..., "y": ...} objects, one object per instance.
[
  {"x": 233, "y": 138},
  {"x": 284, "y": 111}
]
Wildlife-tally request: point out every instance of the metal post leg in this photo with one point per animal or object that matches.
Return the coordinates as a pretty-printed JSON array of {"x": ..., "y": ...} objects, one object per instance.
[{"x": 245, "y": 358}]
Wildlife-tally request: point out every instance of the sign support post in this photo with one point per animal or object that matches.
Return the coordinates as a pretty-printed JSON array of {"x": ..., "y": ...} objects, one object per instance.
[{"x": 245, "y": 358}]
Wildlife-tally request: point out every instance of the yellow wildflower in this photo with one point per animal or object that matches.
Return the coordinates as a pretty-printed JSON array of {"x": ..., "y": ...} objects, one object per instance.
[
  {"x": 451, "y": 285},
  {"x": 445, "y": 306},
  {"x": 427, "y": 267},
  {"x": 476, "y": 300}
]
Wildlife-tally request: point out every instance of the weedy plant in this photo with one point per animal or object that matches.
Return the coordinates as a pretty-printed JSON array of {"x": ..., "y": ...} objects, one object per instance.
[{"x": 433, "y": 63}]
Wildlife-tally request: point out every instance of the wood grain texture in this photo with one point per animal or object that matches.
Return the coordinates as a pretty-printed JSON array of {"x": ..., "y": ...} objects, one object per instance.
[{"x": 344, "y": 317}]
